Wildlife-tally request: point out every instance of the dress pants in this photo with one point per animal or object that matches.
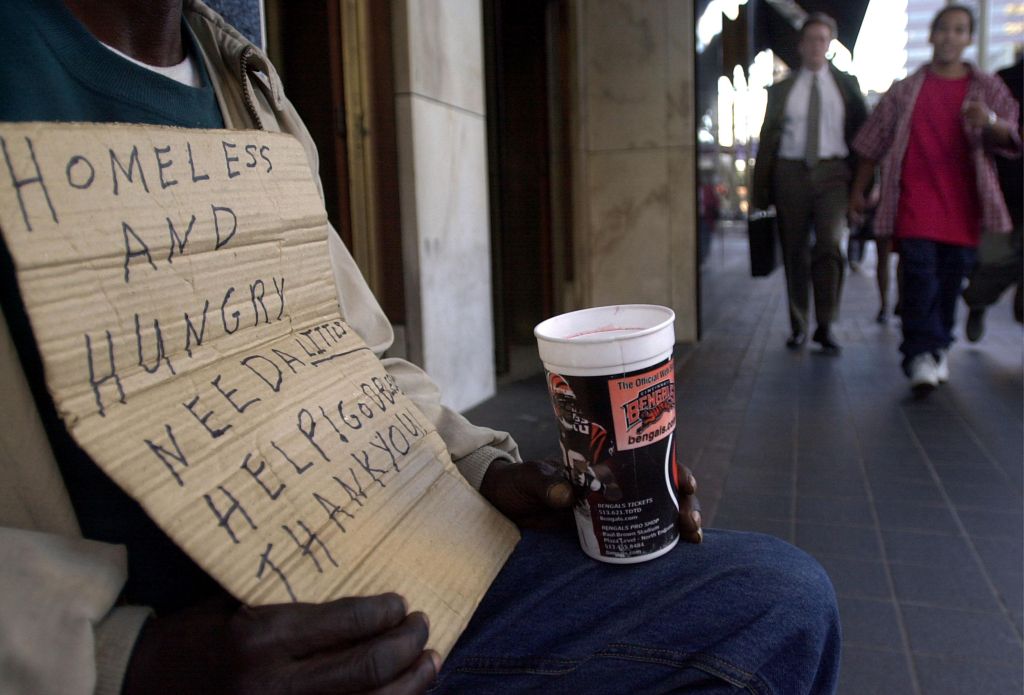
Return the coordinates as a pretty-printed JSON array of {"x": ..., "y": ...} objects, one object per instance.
[{"x": 812, "y": 200}]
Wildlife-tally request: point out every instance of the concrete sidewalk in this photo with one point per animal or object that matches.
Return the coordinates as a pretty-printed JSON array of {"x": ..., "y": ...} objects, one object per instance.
[{"x": 913, "y": 507}]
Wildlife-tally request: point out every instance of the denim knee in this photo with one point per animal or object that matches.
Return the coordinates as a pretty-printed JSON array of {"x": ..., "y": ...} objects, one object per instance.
[{"x": 799, "y": 605}]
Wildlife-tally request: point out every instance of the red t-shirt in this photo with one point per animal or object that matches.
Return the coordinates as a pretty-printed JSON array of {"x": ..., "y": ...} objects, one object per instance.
[{"x": 938, "y": 192}]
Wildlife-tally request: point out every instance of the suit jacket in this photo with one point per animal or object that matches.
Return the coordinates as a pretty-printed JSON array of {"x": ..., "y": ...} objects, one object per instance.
[{"x": 771, "y": 131}]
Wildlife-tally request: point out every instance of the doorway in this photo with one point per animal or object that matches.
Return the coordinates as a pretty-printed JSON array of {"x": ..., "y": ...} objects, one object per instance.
[
  {"x": 335, "y": 60},
  {"x": 527, "y": 53}
]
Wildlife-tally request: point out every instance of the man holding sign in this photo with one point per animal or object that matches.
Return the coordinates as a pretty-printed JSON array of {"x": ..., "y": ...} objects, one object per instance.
[{"x": 175, "y": 322}]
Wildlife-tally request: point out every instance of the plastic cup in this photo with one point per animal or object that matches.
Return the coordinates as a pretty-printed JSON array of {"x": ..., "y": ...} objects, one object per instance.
[{"x": 611, "y": 380}]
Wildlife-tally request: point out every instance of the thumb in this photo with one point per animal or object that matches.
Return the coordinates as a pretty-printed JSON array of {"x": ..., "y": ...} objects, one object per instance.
[{"x": 543, "y": 481}]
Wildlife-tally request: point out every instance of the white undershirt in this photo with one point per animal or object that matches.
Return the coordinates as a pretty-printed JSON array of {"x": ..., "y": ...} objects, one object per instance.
[
  {"x": 186, "y": 72},
  {"x": 831, "y": 139}
]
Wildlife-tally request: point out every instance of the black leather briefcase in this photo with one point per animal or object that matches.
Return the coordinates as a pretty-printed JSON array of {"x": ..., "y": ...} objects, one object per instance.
[{"x": 762, "y": 232}]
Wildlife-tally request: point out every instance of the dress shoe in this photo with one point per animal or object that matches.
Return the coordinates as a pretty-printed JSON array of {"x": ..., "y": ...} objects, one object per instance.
[
  {"x": 823, "y": 337},
  {"x": 975, "y": 325},
  {"x": 796, "y": 340}
]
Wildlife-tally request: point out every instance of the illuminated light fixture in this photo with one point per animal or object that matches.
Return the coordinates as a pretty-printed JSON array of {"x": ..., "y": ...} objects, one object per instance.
[
  {"x": 762, "y": 70},
  {"x": 741, "y": 105},
  {"x": 710, "y": 23},
  {"x": 725, "y": 103}
]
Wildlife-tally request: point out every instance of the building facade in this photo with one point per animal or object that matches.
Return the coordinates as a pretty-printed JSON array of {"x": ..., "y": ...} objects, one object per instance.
[{"x": 609, "y": 180}]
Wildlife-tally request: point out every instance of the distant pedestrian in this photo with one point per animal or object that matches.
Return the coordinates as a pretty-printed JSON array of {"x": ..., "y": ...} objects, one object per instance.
[
  {"x": 804, "y": 168},
  {"x": 709, "y": 209},
  {"x": 864, "y": 224},
  {"x": 935, "y": 133},
  {"x": 991, "y": 277}
]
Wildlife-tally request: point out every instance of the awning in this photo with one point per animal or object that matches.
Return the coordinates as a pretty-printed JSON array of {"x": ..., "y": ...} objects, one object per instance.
[{"x": 772, "y": 29}]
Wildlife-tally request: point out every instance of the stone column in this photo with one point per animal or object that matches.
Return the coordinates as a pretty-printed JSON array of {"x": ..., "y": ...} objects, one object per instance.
[
  {"x": 636, "y": 227},
  {"x": 442, "y": 152}
]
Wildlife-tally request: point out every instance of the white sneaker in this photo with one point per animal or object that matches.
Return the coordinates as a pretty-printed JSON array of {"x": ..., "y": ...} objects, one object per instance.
[
  {"x": 923, "y": 374},
  {"x": 942, "y": 367}
]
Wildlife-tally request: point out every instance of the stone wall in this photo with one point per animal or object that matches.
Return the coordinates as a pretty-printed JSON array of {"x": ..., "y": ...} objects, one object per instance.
[
  {"x": 636, "y": 228},
  {"x": 442, "y": 148}
]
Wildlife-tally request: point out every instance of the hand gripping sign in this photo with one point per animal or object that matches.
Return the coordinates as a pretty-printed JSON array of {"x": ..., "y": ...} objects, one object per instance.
[{"x": 179, "y": 288}]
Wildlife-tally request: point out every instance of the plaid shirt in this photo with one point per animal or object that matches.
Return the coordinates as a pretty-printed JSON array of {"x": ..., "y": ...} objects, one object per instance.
[{"x": 886, "y": 133}]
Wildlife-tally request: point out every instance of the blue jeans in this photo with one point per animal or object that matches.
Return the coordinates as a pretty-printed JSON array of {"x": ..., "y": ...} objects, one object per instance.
[
  {"x": 741, "y": 612},
  {"x": 933, "y": 274}
]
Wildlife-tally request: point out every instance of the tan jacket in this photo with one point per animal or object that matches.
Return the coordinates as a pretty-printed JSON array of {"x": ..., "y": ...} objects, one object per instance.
[{"x": 60, "y": 628}]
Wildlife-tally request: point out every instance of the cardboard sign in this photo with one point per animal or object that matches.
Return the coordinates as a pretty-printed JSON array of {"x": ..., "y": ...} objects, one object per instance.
[{"x": 179, "y": 287}]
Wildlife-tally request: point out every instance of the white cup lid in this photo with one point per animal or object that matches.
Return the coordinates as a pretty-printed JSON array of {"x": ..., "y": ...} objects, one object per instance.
[{"x": 608, "y": 339}]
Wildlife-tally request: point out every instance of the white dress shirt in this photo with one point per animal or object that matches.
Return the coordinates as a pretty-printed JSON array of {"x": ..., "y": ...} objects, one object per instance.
[{"x": 831, "y": 141}]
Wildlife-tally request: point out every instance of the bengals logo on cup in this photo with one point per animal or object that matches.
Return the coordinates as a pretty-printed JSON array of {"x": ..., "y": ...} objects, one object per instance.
[
  {"x": 648, "y": 407},
  {"x": 643, "y": 406}
]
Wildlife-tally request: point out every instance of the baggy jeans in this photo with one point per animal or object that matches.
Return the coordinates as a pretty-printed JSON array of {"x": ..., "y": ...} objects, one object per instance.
[
  {"x": 933, "y": 274},
  {"x": 741, "y": 612}
]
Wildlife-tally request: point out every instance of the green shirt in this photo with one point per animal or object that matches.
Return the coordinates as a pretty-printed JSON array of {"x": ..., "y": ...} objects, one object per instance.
[{"x": 53, "y": 69}]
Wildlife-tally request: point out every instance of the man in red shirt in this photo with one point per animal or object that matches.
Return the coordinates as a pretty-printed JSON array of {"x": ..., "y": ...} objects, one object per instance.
[{"x": 934, "y": 134}]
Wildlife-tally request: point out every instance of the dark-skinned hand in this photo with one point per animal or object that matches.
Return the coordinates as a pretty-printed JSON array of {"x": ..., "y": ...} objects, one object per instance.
[
  {"x": 366, "y": 644},
  {"x": 977, "y": 114},
  {"x": 856, "y": 207},
  {"x": 536, "y": 494}
]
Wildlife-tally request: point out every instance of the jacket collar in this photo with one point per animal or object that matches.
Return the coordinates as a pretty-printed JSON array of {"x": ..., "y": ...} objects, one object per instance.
[{"x": 237, "y": 68}]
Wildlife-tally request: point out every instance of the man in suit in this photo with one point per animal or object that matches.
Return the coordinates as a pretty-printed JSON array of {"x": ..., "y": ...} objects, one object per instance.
[{"x": 804, "y": 168}]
